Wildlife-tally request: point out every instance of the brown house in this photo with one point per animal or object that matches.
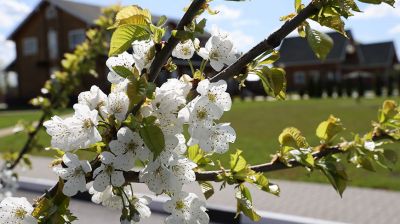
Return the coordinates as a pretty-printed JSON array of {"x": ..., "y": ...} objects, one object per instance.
[
  {"x": 53, "y": 28},
  {"x": 350, "y": 66}
]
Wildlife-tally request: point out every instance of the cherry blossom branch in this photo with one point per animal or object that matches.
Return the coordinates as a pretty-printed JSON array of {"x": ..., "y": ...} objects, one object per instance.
[
  {"x": 273, "y": 41},
  {"x": 162, "y": 56}
]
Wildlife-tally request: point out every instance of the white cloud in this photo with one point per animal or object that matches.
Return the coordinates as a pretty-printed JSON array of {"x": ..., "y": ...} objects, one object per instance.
[
  {"x": 12, "y": 11},
  {"x": 225, "y": 13},
  {"x": 315, "y": 26},
  {"x": 395, "y": 30},
  {"x": 379, "y": 11},
  {"x": 241, "y": 40}
]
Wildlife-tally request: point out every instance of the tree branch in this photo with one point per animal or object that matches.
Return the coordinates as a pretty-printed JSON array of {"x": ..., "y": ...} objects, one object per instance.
[
  {"x": 162, "y": 56},
  {"x": 273, "y": 41},
  {"x": 133, "y": 176}
]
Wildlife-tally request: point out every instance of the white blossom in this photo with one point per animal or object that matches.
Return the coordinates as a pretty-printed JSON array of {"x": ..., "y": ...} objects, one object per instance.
[
  {"x": 128, "y": 147},
  {"x": 95, "y": 99},
  {"x": 16, "y": 211},
  {"x": 219, "y": 50},
  {"x": 117, "y": 105},
  {"x": 215, "y": 93},
  {"x": 8, "y": 183},
  {"x": 141, "y": 206},
  {"x": 74, "y": 174},
  {"x": 369, "y": 145},
  {"x": 106, "y": 198},
  {"x": 186, "y": 208},
  {"x": 185, "y": 49},
  {"x": 200, "y": 111},
  {"x": 110, "y": 172},
  {"x": 168, "y": 173},
  {"x": 83, "y": 127},
  {"x": 60, "y": 132},
  {"x": 213, "y": 139},
  {"x": 125, "y": 60},
  {"x": 143, "y": 54}
]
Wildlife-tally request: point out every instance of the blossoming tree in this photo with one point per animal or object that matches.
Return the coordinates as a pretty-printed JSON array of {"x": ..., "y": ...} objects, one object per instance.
[{"x": 172, "y": 130}]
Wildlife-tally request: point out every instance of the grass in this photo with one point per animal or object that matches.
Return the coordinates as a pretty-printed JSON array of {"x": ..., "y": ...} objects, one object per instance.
[
  {"x": 258, "y": 125},
  {"x": 10, "y": 118}
]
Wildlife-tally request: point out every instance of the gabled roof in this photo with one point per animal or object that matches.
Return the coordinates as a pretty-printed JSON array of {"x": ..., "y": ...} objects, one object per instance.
[
  {"x": 378, "y": 53},
  {"x": 85, "y": 12},
  {"x": 296, "y": 50}
]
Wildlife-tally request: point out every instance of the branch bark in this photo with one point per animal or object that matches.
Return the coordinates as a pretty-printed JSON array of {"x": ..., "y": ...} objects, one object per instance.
[
  {"x": 273, "y": 41},
  {"x": 162, "y": 56},
  {"x": 133, "y": 176}
]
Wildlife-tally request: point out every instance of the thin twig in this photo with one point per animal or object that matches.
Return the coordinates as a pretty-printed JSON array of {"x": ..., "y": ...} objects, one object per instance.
[
  {"x": 162, "y": 56},
  {"x": 273, "y": 41}
]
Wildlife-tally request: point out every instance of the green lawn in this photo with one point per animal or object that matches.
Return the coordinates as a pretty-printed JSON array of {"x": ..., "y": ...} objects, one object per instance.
[
  {"x": 10, "y": 118},
  {"x": 258, "y": 125}
]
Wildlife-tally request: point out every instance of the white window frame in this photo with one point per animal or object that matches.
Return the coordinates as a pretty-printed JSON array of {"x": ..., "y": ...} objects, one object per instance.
[
  {"x": 52, "y": 44},
  {"x": 30, "y": 46},
  {"x": 71, "y": 35},
  {"x": 299, "y": 77}
]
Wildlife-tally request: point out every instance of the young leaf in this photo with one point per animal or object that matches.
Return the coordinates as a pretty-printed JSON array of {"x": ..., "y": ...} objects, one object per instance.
[
  {"x": 319, "y": 42},
  {"x": 328, "y": 129},
  {"x": 133, "y": 15},
  {"x": 245, "y": 203},
  {"x": 237, "y": 162},
  {"x": 123, "y": 37},
  {"x": 207, "y": 189},
  {"x": 161, "y": 22},
  {"x": 122, "y": 71},
  {"x": 153, "y": 137},
  {"x": 292, "y": 137},
  {"x": 335, "y": 172},
  {"x": 274, "y": 81}
]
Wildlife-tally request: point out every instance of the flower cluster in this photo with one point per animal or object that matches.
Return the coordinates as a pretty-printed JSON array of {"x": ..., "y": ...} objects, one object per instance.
[{"x": 100, "y": 124}]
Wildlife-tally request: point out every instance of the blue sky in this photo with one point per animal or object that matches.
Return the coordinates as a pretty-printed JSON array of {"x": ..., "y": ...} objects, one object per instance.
[{"x": 248, "y": 22}]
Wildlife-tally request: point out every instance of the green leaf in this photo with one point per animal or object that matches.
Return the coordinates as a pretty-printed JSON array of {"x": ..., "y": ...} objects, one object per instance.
[
  {"x": 328, "y": 129},
  {"x": 292, "y": 137},
  {"x": 274, "y": 81},
  {"x": 122, "y": 71},
  {"x": 182, "y": 34},
  {"x": 273, "y": 57},
  {"x": 207, "y": 189},
  {"x": 200, "y": 26},
  {"x": 153, "y": 137},
  {"x": 162, "y": 21},
  {"x": 390, "y": 155},
  {"x": 123, "y": 37},
  {"x": 237, "y": 162},
  {"x": 319, "y": 42},
  {"x": 335, "y": 172},
  {"x": 136, "y": 90},
  {"x": 132, "y": 15},
  {"x": 297, "y": 5},
  {"x": 245, "y": 203},
  {"x": 158, "y": 33}
]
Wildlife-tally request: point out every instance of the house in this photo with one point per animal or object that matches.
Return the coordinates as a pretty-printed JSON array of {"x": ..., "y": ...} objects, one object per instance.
[
  {"x": 350, "y": 66},
  {"x": 53, "y": 28}
]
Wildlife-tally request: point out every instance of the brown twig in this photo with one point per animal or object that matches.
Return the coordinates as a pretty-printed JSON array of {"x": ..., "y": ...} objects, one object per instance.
[
  {"x": 162, "y": 56},
  {"x": 273, "y": 41}
]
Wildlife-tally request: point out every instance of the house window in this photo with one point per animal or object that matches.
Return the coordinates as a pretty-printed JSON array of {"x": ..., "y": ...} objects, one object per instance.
[
  {"x": 30, "y": 46},
  {"x": 76, "y": 37},
  {"x": 314, "y": 75},
  {"x": 299, "y": 78},
  {"x": 52, "y": 43},
  {"x": 51, "y": 12}
]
